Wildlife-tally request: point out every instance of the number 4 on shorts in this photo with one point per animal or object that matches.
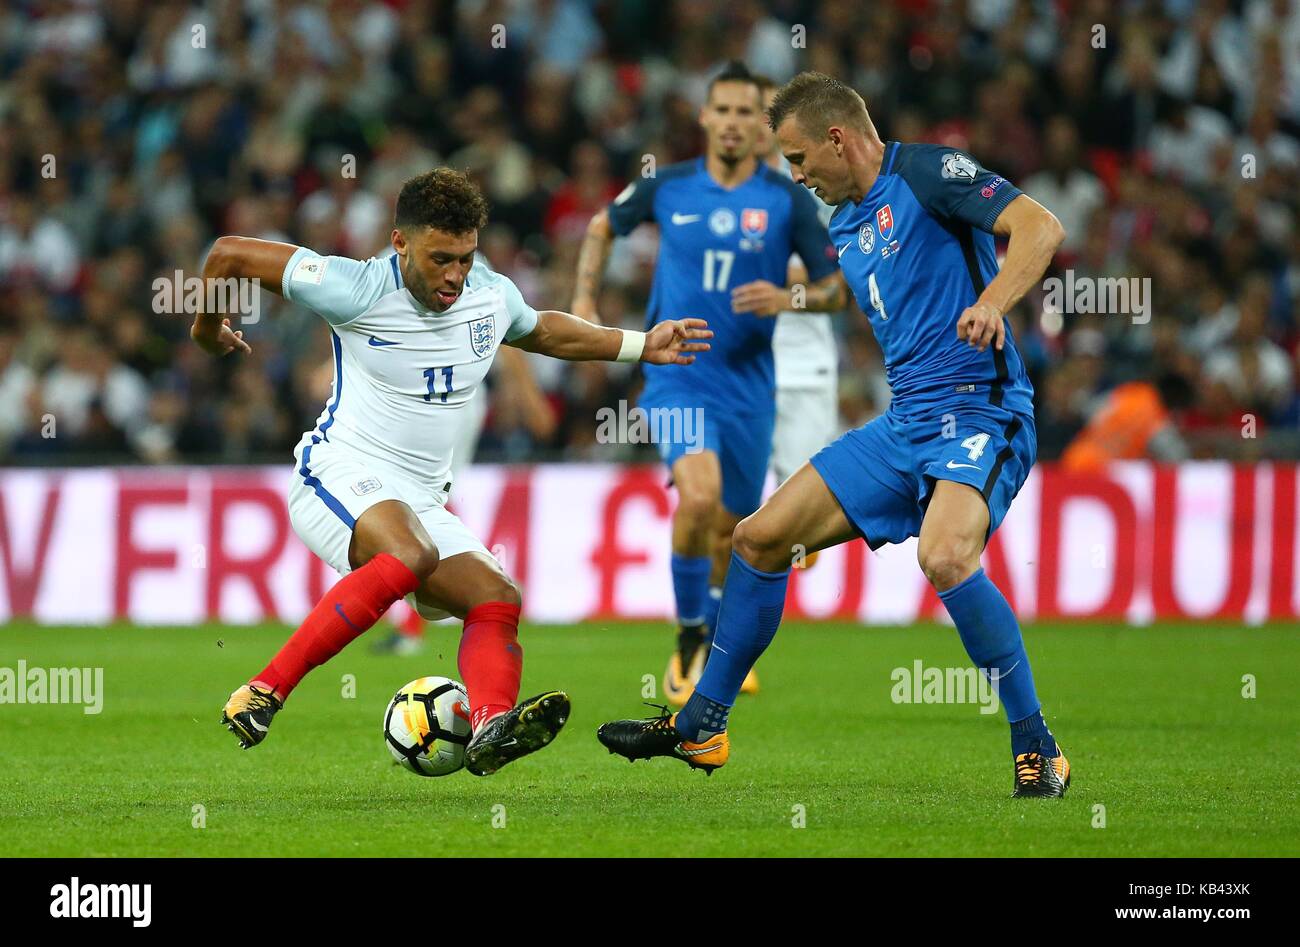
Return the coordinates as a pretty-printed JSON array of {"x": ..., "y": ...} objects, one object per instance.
[{"x": 975, "y": 444}]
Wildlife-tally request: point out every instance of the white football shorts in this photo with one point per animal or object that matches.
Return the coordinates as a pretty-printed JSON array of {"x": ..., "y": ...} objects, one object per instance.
[
  {"x": 807, "y": 419},
  {"x": 331, "y": 489}
]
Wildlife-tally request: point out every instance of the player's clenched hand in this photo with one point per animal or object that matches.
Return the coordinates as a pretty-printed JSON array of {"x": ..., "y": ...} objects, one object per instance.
[
  {"x": 667, "y": 343},
  {"x": 761, "y": 298},
  {"x": 223, "y": 341},
  {"x": 981, "y": 324}
]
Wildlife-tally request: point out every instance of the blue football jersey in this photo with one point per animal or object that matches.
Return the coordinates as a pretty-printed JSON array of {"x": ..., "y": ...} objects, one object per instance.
[
  {"x": 711, "y": 240},
  {"x": 916, "y": 252}
]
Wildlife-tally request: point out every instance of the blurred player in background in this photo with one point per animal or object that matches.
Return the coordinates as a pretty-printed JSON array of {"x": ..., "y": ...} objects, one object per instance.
[
  {"x": 727, "y": 227},
  {"x": 914, "y": 230},
  {"x": 807, "y": 363},
  {"x": 413, "y": 336}
]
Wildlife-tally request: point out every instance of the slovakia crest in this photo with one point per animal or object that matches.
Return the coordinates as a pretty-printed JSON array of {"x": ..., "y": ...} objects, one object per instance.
[
  {"x": 885, "y": 221},
  {"x": 866, "y": 238},
  {"x": 483, "y": 335},
  {"x": 753, "y": 222}
]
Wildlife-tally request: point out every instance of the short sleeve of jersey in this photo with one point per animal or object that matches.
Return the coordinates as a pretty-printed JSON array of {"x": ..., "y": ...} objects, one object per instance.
[
  {"x": 523, "y": 317},
  {"x": 951, "y": 184},
  {"x": 338, "y": 288},
  {"x": 634, "y": 205},
  {"x": 809, "y": 236}
]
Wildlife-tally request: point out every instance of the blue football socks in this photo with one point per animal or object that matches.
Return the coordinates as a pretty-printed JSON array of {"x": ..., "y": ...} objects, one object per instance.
[
  {"x": 750, "y": 613},
  {"x": 691, "y": 587},
  {"x": 991, "y": 634}
]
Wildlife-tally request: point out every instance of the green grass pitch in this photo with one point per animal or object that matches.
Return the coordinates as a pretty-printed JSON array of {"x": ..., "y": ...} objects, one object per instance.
[{"x": 1154, "y": 721}]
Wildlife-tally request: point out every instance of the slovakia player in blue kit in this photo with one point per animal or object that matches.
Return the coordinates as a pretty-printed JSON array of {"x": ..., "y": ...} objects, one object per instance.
[
  {"x": 728, "y": 225},
  {"x": 914, "y": 233}
]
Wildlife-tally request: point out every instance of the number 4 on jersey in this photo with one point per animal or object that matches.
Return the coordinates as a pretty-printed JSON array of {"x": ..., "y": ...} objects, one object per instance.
[{"x": 877, "y": 301}]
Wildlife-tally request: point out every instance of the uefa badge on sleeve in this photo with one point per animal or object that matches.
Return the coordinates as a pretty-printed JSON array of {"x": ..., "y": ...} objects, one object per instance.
[{"x": 957, "y": 167}]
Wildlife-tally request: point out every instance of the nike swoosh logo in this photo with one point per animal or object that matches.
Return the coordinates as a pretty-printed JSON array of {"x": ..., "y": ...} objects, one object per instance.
[
  {"x": 685, "y": 218},
  {"x": 952, "y": 466},
  {"x": 338, "y": 607},
  {"x": 256, "y": 726},
  {"x": 377, "y": 343},
  {"x": 697, "y": 752},
  {"x": 843, "y": 248},
  {"x": 996, "y": 675}
]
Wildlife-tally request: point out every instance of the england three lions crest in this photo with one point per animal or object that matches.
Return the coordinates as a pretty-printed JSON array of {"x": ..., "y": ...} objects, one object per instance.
[{"x": 483, "y": 335}]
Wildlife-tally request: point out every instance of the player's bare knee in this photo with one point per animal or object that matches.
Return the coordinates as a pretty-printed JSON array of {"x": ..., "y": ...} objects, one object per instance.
[
  {"x": 699, "y": 504},
  {"x": 760, "y": 545},
  {"x": 947, "y": 563},
  {"x": 495, "y": 588},
  {"x": 418, "y": 556},
  {"x": 508, "y": 591}
]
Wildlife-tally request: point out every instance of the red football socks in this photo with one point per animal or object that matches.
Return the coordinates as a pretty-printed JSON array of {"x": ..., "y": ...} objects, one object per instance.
[
  {"x": 491, "y": 660},
  {"x": 354, "y": 604}
]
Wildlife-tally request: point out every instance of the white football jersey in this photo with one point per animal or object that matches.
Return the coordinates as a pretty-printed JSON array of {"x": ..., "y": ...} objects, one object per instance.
[
  {"x": 804, "y": 342},
  {"x": 804, "y": 346},
  {"x": 404, "y": 375}
]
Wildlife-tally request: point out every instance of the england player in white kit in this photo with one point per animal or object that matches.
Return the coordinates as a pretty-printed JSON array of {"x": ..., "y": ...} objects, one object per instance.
[
  {"x": 390, "y": 434},
  {"x": 413, "y": 336},
  {"x": 512, "y": 373}
]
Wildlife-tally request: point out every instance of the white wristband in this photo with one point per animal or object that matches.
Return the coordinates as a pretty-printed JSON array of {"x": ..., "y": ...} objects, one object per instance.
[{"x": 632, "y": 346}]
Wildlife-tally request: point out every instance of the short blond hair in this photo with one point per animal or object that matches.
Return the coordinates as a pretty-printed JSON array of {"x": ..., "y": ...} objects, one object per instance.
[{"x": 818, "y": 101}]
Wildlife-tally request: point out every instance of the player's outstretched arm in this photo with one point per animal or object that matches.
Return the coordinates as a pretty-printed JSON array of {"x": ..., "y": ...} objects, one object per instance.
[
  {"x": 237, "y": 258},
  {"x": 591, "y": 266},
  {"x": 767, "y": 299},
  {"x": 564, "y": 335},
  {"x": 1035, "y": 236}
]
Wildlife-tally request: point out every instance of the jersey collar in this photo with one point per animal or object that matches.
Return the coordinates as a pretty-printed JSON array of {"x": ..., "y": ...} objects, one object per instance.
[
  {"x": 886, "y": 167},
  {"x": 704, "y": 170}
]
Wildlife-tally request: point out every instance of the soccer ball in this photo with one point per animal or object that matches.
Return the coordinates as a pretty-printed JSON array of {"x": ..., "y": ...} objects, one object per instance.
[{"x": 426, "y": 726}]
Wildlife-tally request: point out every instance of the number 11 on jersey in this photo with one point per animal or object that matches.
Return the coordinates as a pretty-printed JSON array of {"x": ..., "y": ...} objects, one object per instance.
[{"x": 431, "y": 377}]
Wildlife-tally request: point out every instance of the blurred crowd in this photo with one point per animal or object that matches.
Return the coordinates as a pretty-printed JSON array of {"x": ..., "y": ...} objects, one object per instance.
[{"x": 1164, "y": 135}]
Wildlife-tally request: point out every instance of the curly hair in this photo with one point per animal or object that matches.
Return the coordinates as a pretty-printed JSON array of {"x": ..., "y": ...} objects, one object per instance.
[{"x": 444, "y": 199}]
